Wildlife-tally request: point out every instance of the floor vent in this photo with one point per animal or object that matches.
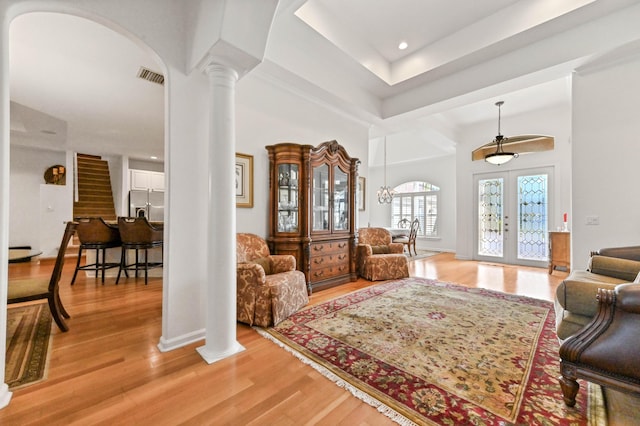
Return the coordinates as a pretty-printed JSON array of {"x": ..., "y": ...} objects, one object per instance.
[{"x": 154, "y": 77}]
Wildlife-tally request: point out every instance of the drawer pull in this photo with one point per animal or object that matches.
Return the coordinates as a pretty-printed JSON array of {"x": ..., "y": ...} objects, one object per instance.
[
  {"x": 318, "y": 261},
  {"x": 342, "y": 257},
  {"x": 342, "y": 245},
  {"x": 318, "y": 274},
  {"x": 318, "y": 248}
]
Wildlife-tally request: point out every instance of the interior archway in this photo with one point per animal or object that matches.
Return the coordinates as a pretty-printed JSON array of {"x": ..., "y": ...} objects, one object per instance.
[{"x": 74, "y": 87}]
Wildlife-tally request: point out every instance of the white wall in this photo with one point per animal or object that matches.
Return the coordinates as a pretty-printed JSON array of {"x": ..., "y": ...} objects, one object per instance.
[
  {"x": 37, "y": 212},
  {"x": 605, "y": 158},
  {"x": 552, "y": 122},
  {"x": 439, "y": 171},
  {"x": 26, "y": 209},
  {"x": 268, "y": 114},
  {"x": 146, "y": 165}
]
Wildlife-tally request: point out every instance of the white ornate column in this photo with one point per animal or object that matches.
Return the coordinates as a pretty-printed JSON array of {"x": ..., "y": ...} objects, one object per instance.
[{"x": 220, "y": 341}]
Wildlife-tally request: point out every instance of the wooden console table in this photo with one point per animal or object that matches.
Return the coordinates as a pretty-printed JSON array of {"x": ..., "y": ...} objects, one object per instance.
[{"x": 559, "y": 250}]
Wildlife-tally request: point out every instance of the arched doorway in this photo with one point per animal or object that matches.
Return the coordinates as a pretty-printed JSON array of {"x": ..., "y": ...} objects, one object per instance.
[{"x": 93, "y": 105}]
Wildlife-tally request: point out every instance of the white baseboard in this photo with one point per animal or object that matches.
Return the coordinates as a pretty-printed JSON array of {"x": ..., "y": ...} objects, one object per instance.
[{"x": 166, "y": 345}]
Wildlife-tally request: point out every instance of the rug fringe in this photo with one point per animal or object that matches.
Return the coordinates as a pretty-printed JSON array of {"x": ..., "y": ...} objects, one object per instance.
[
  {"x": 597, "y": 412},
  {"x": 363, "y": 396}
]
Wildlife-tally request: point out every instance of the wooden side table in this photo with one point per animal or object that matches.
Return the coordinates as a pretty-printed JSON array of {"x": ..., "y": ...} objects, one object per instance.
[{"x": 559, "y": 250}]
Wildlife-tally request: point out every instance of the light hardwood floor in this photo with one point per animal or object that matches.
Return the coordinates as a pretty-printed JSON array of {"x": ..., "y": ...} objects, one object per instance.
[{"x": 108, "y": 370}]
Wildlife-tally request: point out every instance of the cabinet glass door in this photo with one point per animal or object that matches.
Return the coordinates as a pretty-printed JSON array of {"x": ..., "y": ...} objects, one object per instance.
[
  {"x": 288, "y": 175},
  {"x": 320, "y": 186},
  {"x": 340, "y": 200}
]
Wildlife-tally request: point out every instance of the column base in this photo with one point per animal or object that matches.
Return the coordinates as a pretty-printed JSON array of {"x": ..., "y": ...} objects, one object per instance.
[
  {"x": 212, "y": 356},
  {"x": 5, "y": 395}
]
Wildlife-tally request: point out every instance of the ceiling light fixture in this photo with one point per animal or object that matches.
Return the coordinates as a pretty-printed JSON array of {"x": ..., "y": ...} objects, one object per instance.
[
  {"x": 385, "y": 193},
  {"x": 403, "y": 45},
  {"x": 500, "y": 157}
]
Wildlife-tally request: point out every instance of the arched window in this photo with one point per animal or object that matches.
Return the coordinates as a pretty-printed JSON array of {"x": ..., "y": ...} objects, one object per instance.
[{"x": 416, "y": 200}]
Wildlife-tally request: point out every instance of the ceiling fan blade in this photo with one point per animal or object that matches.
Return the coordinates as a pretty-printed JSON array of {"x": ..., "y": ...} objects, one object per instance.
[{"x": 522, "y": 144}]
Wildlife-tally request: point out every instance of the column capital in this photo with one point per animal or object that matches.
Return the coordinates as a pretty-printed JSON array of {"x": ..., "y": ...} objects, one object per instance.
[{"x": 217, "y": 69}]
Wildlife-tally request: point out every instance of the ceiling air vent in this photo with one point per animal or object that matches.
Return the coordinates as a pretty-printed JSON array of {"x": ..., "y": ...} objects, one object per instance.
[{"x": 154, "y": 77}]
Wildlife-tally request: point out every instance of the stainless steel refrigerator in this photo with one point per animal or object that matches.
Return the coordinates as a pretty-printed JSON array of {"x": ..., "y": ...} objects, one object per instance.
[{"x": 147, "y": 203}]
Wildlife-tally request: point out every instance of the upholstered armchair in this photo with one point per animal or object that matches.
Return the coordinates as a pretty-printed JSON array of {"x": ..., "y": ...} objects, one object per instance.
[
  {"x": 576, "y": 303},
  {"x": 606, "y": 352},
  {"x": 378, "y": 258},
  {"x": 269, "y": 289}
]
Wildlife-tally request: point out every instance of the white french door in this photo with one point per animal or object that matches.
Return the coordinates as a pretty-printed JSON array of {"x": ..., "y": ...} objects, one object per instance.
[{"x": 512, "y": 216}]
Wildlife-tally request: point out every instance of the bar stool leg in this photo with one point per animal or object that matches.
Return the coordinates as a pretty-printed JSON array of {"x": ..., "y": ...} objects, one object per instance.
[
  {"x": 146, "y": 266},
  {"x": 123, "y": 264},
  {"x": 137, "y": 263},
  {"x": 73, "y": 280},
  {"x": 104, "y": 263},
  {"x": 96, "y": 266}
]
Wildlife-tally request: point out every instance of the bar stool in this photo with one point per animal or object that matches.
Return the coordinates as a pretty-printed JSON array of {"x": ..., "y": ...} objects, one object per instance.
[
  {"x": 95, "y": 234},
  {"x": 138, "y": 234}
]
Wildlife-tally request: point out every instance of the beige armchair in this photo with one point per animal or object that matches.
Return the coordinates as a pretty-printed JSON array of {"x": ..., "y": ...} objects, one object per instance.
[
  {"x": 269, "y": 289},
  {"x": 378, "y": 258},
  {"x": 576, "y": 297}
]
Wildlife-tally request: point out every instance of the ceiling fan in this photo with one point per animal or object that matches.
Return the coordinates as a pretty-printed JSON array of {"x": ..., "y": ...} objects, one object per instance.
[{"x": 503, "y": 149}]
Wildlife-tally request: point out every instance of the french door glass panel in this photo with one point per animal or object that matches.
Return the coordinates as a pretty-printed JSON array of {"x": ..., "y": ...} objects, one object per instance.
[
  {"x": 533, "y": 217},
  {"x": 491, "y": 217},
  {"x": 519, "y": 198}
]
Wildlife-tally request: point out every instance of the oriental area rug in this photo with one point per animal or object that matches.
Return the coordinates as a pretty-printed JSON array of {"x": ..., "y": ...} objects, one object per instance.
[
  {"x": 28, "y": 340},
  {"x": 426, "y": 352},
  {"x": 421, "y": 255}
]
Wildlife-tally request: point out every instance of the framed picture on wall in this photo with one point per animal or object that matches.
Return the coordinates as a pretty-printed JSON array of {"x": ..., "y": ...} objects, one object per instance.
[
  {"x": 244, "y": 180},
  {"x": 361, "y": 192}
]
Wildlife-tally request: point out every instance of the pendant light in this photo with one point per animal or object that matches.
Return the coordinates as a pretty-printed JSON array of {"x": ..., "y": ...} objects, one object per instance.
[
  {"x": 385, "y": 193},
  {"x": 500, "y": 157}
]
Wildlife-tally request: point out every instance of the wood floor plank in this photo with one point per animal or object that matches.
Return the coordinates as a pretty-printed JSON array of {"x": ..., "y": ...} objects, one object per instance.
[{"x": 108, "y": 370}]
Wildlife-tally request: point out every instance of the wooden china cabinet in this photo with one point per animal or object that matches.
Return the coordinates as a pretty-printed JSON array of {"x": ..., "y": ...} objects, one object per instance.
[{"x": 312, "y": 210}]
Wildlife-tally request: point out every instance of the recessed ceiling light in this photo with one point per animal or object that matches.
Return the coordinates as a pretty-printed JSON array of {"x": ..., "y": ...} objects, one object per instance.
[
  {"x": 153, "y": 157},
  {"x": 403, "y": 45}
]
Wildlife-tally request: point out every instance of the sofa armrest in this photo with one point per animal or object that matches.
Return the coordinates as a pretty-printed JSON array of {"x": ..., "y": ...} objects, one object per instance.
[
  {"x": 628, "y": 297},
  {"x": 623, "y": 269},
  {"x": 363, "y": 250},
  {"x": 630, "y": 252},
  {"x": 578, "y": 292},
  {"x": 282, "y": 263},
  {"x": 250, "y": 274}
]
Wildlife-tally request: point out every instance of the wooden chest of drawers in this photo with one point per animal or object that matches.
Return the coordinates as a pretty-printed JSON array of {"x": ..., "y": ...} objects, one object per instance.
[{"x": 329, "y": 262}]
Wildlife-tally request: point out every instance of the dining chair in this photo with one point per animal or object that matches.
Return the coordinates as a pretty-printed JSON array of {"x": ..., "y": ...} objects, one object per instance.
[
  {"x": 138, "y": 234},
  {"x": 28, "y": 289},
  {"x": 404, "y": 223},
  {"x": 410, "y": 240},
  {"x": 95, "y": 234}
]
